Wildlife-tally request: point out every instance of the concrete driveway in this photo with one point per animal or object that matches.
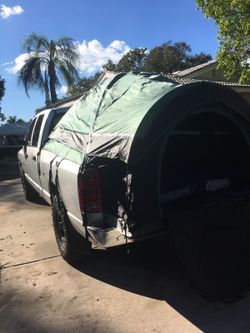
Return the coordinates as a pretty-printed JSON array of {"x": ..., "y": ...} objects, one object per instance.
[{"x": 109, "y": 291}]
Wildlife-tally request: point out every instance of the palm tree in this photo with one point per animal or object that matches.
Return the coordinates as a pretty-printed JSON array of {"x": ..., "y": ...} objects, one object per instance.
[
  {"x": 14, "y": 120},
  {"x": 46, "y": 62},
  {"x": 11, "y": 120}
]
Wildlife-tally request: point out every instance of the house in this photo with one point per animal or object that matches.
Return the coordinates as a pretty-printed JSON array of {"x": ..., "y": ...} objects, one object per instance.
[
  {"x": 209, "y": 72},
  {"x": 11, "y": 138}
]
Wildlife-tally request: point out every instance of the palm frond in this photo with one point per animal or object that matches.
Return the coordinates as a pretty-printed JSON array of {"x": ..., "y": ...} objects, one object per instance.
[
  {"x": 31, "y": 75},
  {"x": 65, "y": 41},
  {"x": 35, "y": 43},
  {"x": 67, "y": 71},
  {"x": 48, "y": 59},
  {"x": 67, "y": 49}
]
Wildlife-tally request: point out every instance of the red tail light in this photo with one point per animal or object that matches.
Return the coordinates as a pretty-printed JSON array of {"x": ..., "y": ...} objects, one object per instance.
[{"x": 89, "y": 192}]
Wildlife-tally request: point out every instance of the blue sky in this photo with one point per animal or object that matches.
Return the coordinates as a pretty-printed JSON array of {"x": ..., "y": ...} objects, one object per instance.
[{"x": 103, "y": 30}]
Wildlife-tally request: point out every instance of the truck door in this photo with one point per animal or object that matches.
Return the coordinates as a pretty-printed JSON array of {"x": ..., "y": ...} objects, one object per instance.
[{"x": 32, "y": 155}]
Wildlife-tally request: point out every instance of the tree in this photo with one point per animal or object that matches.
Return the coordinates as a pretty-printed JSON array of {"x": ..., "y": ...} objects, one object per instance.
[
  {"x": 2, "y": 91},
  {"x": 197, "y": 59},
  {"x": 131, "y": 61},
  {"x": 2, "y": 87},
  {"x": 170, "y": 57},
  {"x": 166, "y": 58},
  {"x": 233, "y": 19},
  {"x": 110, "y": 66},
  {"x": 47, "y": 62},
  {"x": 83, "y": 85},
  {"x": 14, "y": 120}
]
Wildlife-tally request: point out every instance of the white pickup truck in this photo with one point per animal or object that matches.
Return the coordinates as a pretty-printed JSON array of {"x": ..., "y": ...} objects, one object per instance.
[
  {"x": 57, "y": 181},
  {"x": 38, "y": 170},
  {"x": 141, "y": 155}
]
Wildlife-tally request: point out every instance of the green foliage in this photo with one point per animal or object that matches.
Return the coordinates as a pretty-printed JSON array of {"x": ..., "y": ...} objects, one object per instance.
[
  {"x": 197, "y": 59},
  {"x": 2, "y": 116},
  {"x": 2, "y": 88},
  {"x": 165, "y": 58},
  {"x": 110, "y": 66},
  {"x": 233, "y": 19},
  {"x": 14, "y": 120},
  {"x": 2, "y": 91},
  {"x": 132, "y": 61},
  {"x": 47, "y": 62},
  {"x": 83, "y": 85}
]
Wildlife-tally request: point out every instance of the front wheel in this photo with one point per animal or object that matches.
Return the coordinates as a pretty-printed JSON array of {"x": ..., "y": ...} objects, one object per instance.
[{"x": 72, "y": 246}]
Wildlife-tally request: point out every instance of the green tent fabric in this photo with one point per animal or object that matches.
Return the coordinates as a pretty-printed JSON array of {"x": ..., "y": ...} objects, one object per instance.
[
  {"x": 124, "y": 114},
  {"x": 104, "y": 122}
]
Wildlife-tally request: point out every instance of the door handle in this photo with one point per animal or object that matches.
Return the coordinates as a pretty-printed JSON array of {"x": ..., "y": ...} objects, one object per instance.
[{"x": 34, "y": 158}]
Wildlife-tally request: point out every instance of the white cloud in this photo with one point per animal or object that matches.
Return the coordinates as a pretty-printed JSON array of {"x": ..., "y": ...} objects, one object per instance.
[
  {"x": 93, "y": 55},
  {"x": 62, "y": 90},
  {"x": 6, "y": 11},
  {"x": 17, "y": 64}
]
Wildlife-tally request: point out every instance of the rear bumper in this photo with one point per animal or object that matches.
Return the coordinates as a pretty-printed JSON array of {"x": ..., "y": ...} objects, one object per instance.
[
  {"x": 114, "y": 237},
  {"x": 108, "y": 237}
]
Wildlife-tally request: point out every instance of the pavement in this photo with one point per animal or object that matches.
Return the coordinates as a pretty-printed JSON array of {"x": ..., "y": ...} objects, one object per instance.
[{"x": 109, "y": 291}]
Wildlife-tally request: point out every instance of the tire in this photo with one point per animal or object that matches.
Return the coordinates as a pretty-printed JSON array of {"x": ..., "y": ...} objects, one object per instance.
[
  {"x": 29, "y": 192},
  {"x": 72, "y": 246}
]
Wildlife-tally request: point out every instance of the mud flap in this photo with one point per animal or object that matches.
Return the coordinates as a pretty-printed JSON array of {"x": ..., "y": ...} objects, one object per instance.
[{"x": 212, "y": 237}]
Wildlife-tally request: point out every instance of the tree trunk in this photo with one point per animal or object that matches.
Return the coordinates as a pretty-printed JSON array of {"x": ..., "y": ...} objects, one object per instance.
[
  {"x": 46, "y": 90},
  {"x": 52, "y": 82}
]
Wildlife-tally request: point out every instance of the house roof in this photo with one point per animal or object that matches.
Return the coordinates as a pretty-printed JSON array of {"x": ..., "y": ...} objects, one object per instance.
[
  {"x": 65, "y": 102},
  {"x": 207, "y": 65},
  {"x": 18, "y": 129},
  {"x": 186, "y": 80},
  {"x": 189, "y": 75}
]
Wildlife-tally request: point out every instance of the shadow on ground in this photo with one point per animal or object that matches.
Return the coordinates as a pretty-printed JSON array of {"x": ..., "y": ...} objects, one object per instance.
[
  {"x": 12, "y": 193},
  {"x": 8, "y": 168},
  {"x": 153, "y": 270},
  {"x": 22, "y": 320}
]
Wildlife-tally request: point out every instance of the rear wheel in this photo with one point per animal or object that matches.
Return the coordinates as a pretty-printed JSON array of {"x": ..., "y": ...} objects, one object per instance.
[
  {"x": 29, "y": 192},
  {"x": 72, "y": 246}
]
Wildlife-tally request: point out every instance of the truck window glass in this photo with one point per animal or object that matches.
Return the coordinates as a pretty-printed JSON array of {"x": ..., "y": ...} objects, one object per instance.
[
  {"x": 37, "y": 131},
  {"x": 55, "y": 120},
  {"x": 29, "y": 133}
]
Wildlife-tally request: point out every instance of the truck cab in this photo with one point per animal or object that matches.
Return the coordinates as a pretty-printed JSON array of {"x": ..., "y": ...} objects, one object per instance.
[{"x": 29, "y": 156}]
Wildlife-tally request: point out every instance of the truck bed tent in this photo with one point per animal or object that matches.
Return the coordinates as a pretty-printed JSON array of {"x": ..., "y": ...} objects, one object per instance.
[
  {"x": 184, "y": 152},
  {"x": 124, "y": 107}
]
